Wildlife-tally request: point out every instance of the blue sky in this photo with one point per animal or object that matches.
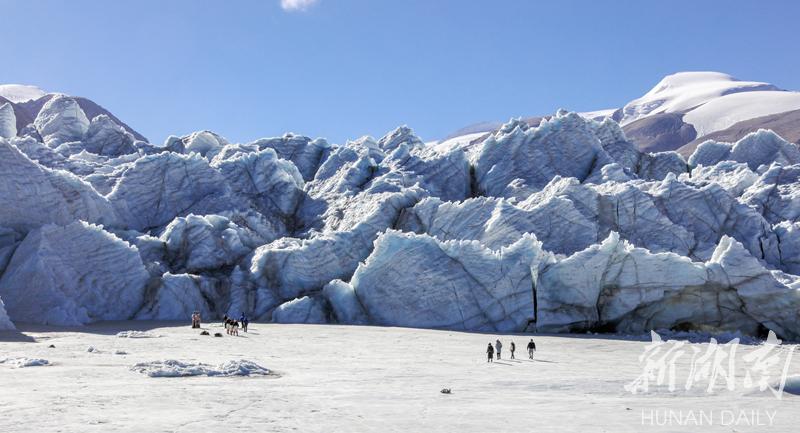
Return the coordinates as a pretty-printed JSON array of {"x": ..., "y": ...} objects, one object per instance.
[{"x": 344, "y": 68}]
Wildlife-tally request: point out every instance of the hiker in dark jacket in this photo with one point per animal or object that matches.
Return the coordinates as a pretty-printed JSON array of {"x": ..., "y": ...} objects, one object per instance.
[
  {"x": 244, "y": 321},
  {"x": 513, "y": 348},
  {"x": 490, "y": 353},
  {"x": 531, "y": 348}
]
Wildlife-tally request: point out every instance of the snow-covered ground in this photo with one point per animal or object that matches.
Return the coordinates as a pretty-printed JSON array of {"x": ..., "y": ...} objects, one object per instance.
[{"x": 348, "y": 379}]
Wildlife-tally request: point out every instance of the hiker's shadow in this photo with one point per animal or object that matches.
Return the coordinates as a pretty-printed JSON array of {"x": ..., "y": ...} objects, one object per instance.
[
  {"x": 536, "y": 360},
  {"x": 502, "y": 363}
]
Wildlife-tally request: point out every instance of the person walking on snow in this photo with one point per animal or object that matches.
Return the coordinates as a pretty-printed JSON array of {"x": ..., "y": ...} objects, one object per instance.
[
  {"x": 498, "y": 346},
  {"x": 531, "y": 348},
  {"x": 245, "y": 321},
  {"x": 490, "y": 353},
  {"x": 513, "y": 348}
]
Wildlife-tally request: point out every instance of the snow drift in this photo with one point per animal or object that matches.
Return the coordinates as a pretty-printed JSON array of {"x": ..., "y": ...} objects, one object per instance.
[
  {"x": 22, "y": 362},
  {"x": 173, "y": 368}
]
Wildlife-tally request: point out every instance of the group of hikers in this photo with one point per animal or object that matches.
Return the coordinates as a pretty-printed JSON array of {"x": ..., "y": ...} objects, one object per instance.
[
  {"x": 232, "y": 328},
  {"x": 232, "y": 325},
  {"x": 498, "y": 348},
  {"x": 195, "y": 319}
]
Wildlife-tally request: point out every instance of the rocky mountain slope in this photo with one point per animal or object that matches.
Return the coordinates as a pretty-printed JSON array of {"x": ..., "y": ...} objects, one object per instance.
[{"x": 563, "y": 226}]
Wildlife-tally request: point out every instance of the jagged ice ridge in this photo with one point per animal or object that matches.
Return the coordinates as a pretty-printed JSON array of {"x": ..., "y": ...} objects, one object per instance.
[{"x": 563, "y": 227}]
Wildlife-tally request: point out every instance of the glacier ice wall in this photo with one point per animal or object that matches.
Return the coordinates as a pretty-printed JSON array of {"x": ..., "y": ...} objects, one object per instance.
[
  {"x": 73, "y": 274},
  {"x": 8, "y": 121},
  {"x": 5, "y": 321},
  {"x": 416, "y": 280},
  {"x": 563, "y": 227}
]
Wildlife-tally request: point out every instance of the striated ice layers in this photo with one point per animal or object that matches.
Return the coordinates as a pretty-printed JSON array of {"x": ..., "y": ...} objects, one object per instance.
[{"x": 563, "y": 227}]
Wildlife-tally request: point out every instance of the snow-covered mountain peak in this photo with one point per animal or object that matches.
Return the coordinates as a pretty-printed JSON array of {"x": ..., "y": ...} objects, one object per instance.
[
  {"x": 684, "y": 91},
  {"x": 20, "y": 92}
]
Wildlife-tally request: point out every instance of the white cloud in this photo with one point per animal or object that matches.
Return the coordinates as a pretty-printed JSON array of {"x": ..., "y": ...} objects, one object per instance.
[{"x": 297, "y": 5}]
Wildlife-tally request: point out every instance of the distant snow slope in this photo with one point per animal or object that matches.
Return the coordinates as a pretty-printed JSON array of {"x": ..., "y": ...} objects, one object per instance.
[
  {"x": 723, "y": 112},
  {"x": 459, "y": 142},
  {"x": 598, "y": 114},
  {"x": 684, "y": 91},
  {"x": 20, "y": 92}
]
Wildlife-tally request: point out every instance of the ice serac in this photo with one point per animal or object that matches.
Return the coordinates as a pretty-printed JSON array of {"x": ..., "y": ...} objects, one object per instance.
[
  {"x": 158, "y": 188},
  {"x": 775, "y": 194},
  {"x": 347, "y": 172},
  {"x": 566, "y": 145},
  {"x": 8, "y": 121},
  {"x": 789, "y": 236},
  {"x": 401, "y": 135},
  {"x": 301, "y": 310},
  {"x": 495, "y": 223},
  {"x": 612, "y": 139},
  {"x": 61, "y": 120},
  {"x": 615, "y": 286},
  {"x": 45, "y": 156},
  {"x": 711, "y": 212},
  {"x": 179, "y": 295},
  {"x": 208, "y": 242},
  {"x": 770, "y": 298},
  {"x": 9, "y": 240},
  {"x": 442, "y": 175},
  {"x": 40, "y": 195},
  {"x": 274, "y": 185},
  {"x": 344, "y": 303},
  {"x": 305, "y": 153},
  {"x": 606, "y": 283},
  {"x": 567, "y": 216},
  {"x": 204, "y": 143},
  {"x": 242, "y": 294},
  {"x": 732, "y": 176},
  {"x": 290, "y": 267},
  {"x": 106, "y": 137},
  {"x": 762, "y": 147},
  {"x": 73, "y": 274},
  {"x": 5, "y": 321},
  {"x": 455, "y": 284},
  {"x": 657, "y": 166}
]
